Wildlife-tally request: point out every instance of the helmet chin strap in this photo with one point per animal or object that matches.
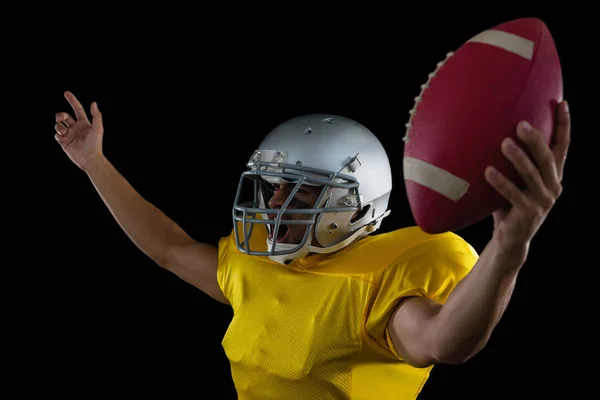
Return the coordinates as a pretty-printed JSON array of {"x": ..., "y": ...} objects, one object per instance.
[{"x": 306, "y": 249}]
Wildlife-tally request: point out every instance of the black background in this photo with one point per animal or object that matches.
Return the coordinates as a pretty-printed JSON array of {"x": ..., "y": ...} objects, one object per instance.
[{"x": 186, "y": 97}]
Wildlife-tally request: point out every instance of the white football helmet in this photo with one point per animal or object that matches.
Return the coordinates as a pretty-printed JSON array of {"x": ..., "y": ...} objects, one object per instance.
[{"x": 320, "y": 150}]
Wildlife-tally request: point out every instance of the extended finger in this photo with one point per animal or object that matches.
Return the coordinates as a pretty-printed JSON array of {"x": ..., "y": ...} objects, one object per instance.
[
  {"x": 541, "y": 153},
  {"x": 505, "y": 187},
  {"x": 65, "y": 118},
  {"x": 524, "y": 166},
  {"x": 96, "y": 117},
  {"x": 562, "y": 137},
  {"x": 76, "y": 105}
]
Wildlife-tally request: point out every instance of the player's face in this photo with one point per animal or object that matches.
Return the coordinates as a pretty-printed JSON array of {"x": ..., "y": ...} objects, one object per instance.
[{"x": 305, "y": 197}]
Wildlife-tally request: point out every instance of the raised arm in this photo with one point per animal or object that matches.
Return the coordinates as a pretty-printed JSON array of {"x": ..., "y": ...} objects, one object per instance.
[
  {"x": 425, "y": 332},
  {"x": 155, "y": 234}
]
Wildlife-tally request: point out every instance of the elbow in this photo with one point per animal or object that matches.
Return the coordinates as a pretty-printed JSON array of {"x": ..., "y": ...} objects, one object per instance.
[
  {"x": 164, "y": 256},
  {"x": 453, "y": 359},
  {"x": 160, "y": 259},
  {"x": 454, "y": 354}
]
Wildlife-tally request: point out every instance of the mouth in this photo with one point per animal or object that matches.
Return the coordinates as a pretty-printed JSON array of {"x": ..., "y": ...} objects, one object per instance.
[{"x": 282, "y": 234}]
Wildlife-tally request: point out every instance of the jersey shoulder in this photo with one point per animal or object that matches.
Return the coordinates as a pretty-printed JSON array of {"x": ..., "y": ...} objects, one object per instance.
[
  {"x": 379, "y": 251},
  {"x": 405, "y": 239}
]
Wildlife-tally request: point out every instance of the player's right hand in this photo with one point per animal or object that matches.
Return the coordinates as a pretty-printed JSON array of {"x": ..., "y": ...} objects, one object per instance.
[{"x": 79, "y": 138}]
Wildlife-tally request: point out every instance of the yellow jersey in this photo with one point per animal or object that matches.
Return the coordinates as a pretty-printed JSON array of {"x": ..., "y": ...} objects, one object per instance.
[{"x": 317, "y": 328}]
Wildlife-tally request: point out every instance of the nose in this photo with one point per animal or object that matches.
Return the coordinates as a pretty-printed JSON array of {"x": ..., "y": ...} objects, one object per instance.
[{"x": 279, "y": 197}]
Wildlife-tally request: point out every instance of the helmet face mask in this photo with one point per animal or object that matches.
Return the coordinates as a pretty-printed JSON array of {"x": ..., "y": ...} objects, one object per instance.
[
  {"x": 265, "y": 177},
  {"x": 291, "y": 157}
]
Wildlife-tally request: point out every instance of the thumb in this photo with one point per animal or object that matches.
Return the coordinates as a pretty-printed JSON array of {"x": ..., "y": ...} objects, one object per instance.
[{"x": 96, "y": 118}]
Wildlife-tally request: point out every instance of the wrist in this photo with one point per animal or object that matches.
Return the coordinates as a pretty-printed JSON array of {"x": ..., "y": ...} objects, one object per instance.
[
  {"x": 94, "y": 164},
  {"x": 509, "y": 253}
]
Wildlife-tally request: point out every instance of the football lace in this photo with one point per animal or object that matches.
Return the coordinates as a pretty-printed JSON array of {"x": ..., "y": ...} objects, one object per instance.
[{"x": 424, "y": 86}]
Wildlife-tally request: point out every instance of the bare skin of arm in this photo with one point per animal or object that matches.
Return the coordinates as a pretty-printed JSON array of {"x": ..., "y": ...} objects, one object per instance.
[
  {"x": 425, "y": 332},
  {"x": 155, "y": 234}
]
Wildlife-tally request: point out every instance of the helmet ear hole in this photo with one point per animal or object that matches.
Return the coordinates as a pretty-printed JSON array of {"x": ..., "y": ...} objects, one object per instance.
[{"x": 360, "y": 214}]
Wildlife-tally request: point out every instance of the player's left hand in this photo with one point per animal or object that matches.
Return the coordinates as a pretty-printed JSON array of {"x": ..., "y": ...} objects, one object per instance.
[{"x": 542, "y": 174}]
